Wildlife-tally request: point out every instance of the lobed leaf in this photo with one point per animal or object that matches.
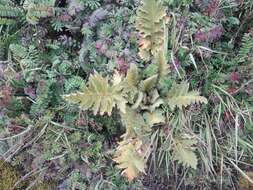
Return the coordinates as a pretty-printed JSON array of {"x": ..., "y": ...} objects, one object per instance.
[
  {"x": 132, "y": 77},
  {"x": 149, "y": 83},
  {"x": 184, "y": 152},
  {"x": 179, "y": 96},
  {"x": 135, "y": 124},
  {"x": 150, "y": 24},
  {"x": 99, "y": 95},
  {"x": 154, "y": 117},
  {"x": 129, "y": 159}
]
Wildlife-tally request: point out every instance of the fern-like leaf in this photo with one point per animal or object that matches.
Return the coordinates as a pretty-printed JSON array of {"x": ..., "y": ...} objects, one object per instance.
[
  {"x": 149, "y": 83},
  {"x": 36, "y": 10},
  {"x": 134, "y": 123},
  {"x": 10, "y": 12},
  {"x": 154, "y": 117},
  {"x": 7, "y": 21},
  {"x": 246, "y": 51},
  {"x": 73, "y": 83},
  {"x": 162, "y": 65},
  {"x": 184, "y": 151},
  {"x": 129, "y": 159},
  {"x": 92, "y": 4},
  {"x": 132, "y": 76},
  {"x": 155, "y": 102},
  {"x": 179, "y": 96},
  {"x": 18, "y": 51},
  {"x": 99, "y": 95},
  {"x": 150, "y": 24}
]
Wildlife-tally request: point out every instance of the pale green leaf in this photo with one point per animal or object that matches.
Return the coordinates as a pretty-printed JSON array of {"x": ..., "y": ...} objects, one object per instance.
[
  {"x": 117, "y": 78},
  {"x": 138, "y": 100},
  {"x": 162, "y": 65},
  {"x": 99, "y": 95},
  {"x": 184, "y": 151},
  {"x": 149, "y": 83},
  {"x": 128, "y": 158},
  {"x": 134, "y": 123},
  {"x": 150, "y": 24},
  {"x": 179, "y": 96},
  {"x": 154, "y": 117},
  {"x": 132, "y": 77}
]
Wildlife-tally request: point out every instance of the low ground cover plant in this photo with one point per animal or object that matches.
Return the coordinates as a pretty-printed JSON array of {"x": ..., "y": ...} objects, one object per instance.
[{"x": 126, "y": 94}]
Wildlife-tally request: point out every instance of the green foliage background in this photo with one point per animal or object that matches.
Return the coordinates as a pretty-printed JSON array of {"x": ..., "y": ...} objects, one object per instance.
[{"x": 49, "y": 48}]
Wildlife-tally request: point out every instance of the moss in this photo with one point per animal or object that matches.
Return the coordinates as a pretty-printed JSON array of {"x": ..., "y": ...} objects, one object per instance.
[
  {"x": 244, "y": 183},
  {"x": 45, "y": 186},
  {"x": 9, "y": 176}
]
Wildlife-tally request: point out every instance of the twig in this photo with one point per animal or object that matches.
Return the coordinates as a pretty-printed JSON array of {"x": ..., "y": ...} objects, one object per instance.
[
  {"x": 3, "y": 62},
  {"x": 17, "y": 135},
  {"x": 31, "y": 173}
]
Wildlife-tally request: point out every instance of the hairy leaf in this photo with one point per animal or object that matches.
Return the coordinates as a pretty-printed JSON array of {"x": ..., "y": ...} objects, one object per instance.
[
  {"x": 132, "y": 76},
  {"x": 155, "y": 102},
  {"x": 149, "y": 83},
  {"x": 150, "y": 24},
  {"x": 35, "y": 11},
  {"x": 117, "y": 78},
  {"x": 131, "y": 84},
  {"x": 179, "y": 96},
  {"x": 134, "y": 122},
  {"x": 129, "y": 159},
  {"x": 162, "y": 65},
  {"x": 154, "y": 117},
  {"x": 138, "y": 101},
  {"x": 184, "y": 151},
  {"x": 99, "y": 95}
]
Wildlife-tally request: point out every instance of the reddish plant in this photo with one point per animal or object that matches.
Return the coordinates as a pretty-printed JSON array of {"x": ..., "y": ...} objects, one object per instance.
[
  {"x": 227, "y": 116},
  {"x": 176, "y": 64},
  {"x": 122, "y": 65},
  {"x": 212, "y": 35},
  {"x": 5, "y": 96},
  {"x": 215, "y": 33},
  {"x": 213, "y": 7},
  {"x": 235, "y": 76},
  {"x": 30, "y": 91},
  {"x": 200, "y": 36},
  {"x": 251, "y": 32},
  {"x": 14, "y": 127},
  {"x": 65, "y": 17},
  {"x": 232, "y": 90}
]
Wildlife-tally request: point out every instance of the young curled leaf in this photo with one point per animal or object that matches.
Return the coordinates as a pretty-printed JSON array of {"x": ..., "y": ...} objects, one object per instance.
[
  {"x": 163, "y": 68},
  {"x": 132, "y": 77},
  {"x": 149, "y": 83}
]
